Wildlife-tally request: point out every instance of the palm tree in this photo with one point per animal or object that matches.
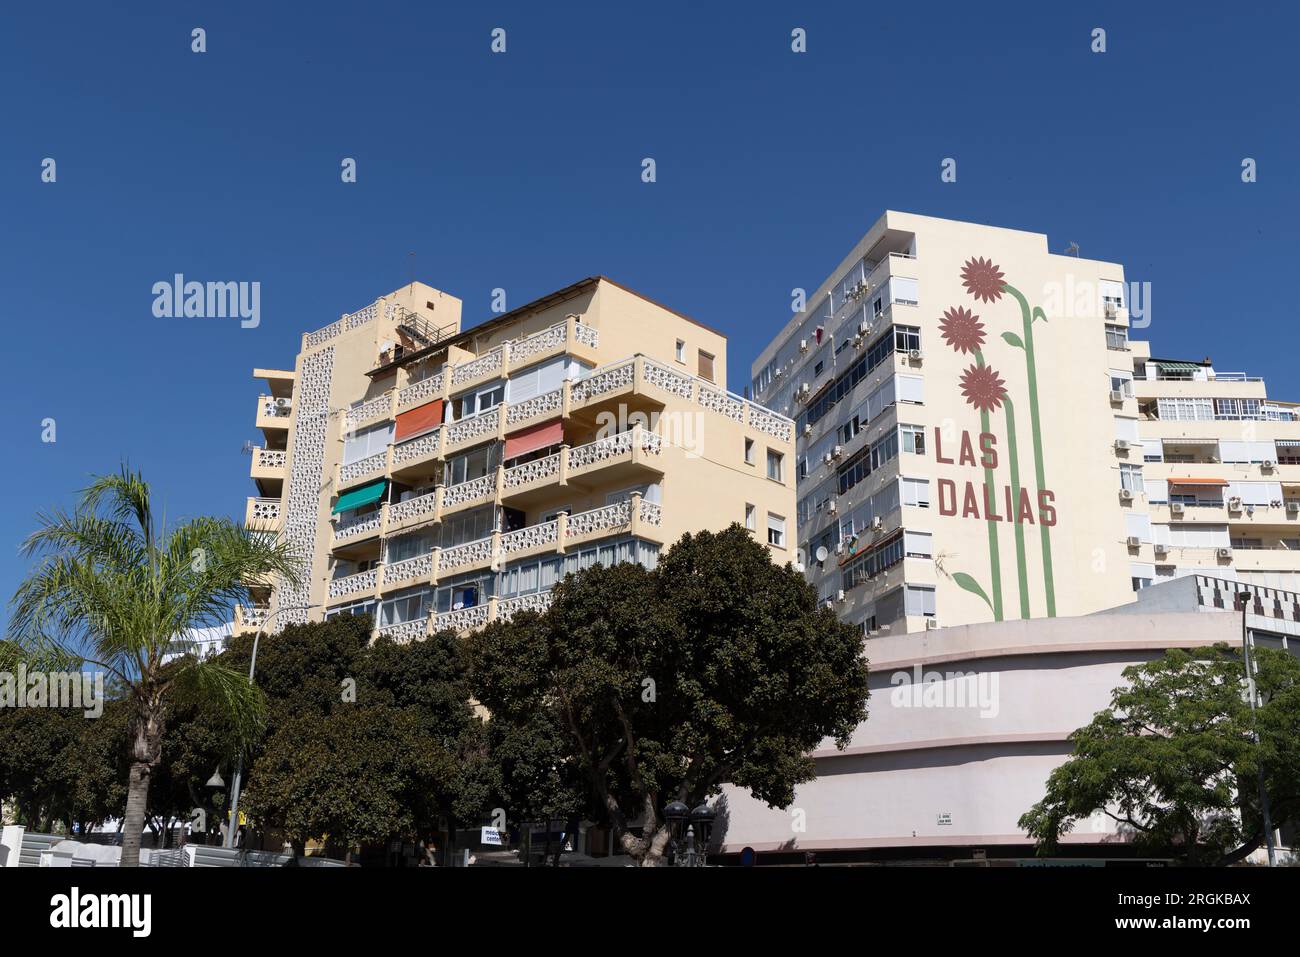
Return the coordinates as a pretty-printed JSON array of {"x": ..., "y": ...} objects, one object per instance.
[{"x": 114, "y": 590}]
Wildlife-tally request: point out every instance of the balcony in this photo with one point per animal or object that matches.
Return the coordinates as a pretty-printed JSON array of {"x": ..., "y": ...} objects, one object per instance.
[
  {"x": 248, "y": 618},
  {"x": 418, "y": 393},
  {"x": 415, "y": 456},
  {"x": 478, "y": 491},
  {"x": 466, "y": 619},
  {"x": 378, "y": 409},
  {"x": 420, "y": 510},
  {"x": 268, "y": 468},
  {"x": 263, "y": 514},
  {"x": 358, "y": 528},
  {"x": 274, "y": 414},
  {"x": 373, "y": 466},
  {"x": 627, "y": 456},
  {"x": 366, "y": 582},
  {"x": 472, "y": 431},
  {"x": 569, "y": 337}
]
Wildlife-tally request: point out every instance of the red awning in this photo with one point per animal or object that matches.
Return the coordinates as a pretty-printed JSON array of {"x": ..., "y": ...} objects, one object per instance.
[
  {"x": 534, "y": 437},
  {"x": 422, "y": 419},
  {"x": 1198, "y": 481}
]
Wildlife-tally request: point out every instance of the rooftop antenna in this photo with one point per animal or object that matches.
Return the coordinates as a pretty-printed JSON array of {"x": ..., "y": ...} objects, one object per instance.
[
  {"x": 410, "y": 259},
  {"x": 1072, "y": 249}
]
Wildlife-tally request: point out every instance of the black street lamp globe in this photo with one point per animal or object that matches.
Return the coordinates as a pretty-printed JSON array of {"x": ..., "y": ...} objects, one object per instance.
[
  {"x": 702, "y": 820},
  {"x": 677, "y": 814}
]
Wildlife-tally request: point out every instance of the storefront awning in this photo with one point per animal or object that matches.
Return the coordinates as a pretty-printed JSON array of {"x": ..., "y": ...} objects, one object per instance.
[
  {"x": 361, "y": 495},
  {"x": 1198, "y": 481},
  {"x": 534, "y": 438}
]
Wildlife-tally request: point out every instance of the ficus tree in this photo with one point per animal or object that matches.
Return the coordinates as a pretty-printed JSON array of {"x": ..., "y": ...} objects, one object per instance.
[
  {"x": 718, "y": 666},
  {"x": 1174, "y": 759}
]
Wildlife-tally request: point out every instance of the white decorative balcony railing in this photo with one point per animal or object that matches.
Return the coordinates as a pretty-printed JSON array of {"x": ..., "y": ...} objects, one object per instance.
[
  {"x": 325, "y": 334},
  {"x": 362, "y": 316},
  {"x": 420, "y": 392},
  {"x": 533, "y": 471},
  {"x": 269, "y": 458},
  {"x": 580, "y": 456},
  {"x": 372, "y": 463},
  {"x": 524, "y": 349},
  {"x": 413, "y": 449},
  {"x": 266, "y": 509},
  {"x": 350, "y": 584},
  {"x": 406, "y": 630},
  {"x": 463, "y": 492},
  {"x": 508, "y": 607},
  {"x": 547, "y": 402},
  {"x": 350, "y": 321},
  {"x": 651, "y": 513},
  {"x": 724, "y": 403},
  {"x": 462, "y": 619},
  {"x": 253, "y": 616},
  {"x": 544, "y": 533},
  {"x": 485, "y": 364},
  {"x": 357, "y": 416},
  {"x": 357, "y": 526},
  {"x": 467, "y": 429},
  {"x": 587, "y": 335},
  {"x": 598, "y": 519},
  {"x": 770, "y": 422},
  {"x": 421, "y": 566},
  {"x": 470, "y": 553},
  {"x": 609, "y": 379},
  {"x": 670, "y": 380},
  {"x": 418, "y": 507}
]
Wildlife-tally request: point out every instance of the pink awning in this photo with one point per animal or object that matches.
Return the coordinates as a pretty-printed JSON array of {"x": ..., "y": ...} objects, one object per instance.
[{"x": 533, "y": 438}]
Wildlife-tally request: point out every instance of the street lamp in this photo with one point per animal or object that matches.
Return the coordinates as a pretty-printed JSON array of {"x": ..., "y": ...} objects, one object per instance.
[
  {"x": 1247, "y": 645},
  {"x": 233, "y": 826},
  {"x": 679, "y": 818}
]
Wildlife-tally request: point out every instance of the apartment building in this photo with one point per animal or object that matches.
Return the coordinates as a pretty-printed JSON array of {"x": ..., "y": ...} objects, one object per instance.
[
  {"x": 439, "y": 477},
  {"x": 978, "y": 440}
]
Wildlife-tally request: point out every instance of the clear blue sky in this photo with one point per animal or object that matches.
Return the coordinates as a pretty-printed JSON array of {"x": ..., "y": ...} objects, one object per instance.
[{"x": 523, "y": 171}]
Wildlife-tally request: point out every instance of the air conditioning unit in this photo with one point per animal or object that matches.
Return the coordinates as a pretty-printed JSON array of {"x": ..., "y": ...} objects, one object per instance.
[
  {"x": 1176, "y": 508},
  {"x": 807, "y": 428},
  {"x": 1224, "y": 553},
  {"x": 1125, "y": 495},
  {"x": 833, "y": 507},
  {"x": 826, "y": 458},
  {"x": 1134, "y": 541},
  {"x": 877, "y": 523},
  {"x": 1161, "y": 549},
  {"x": 1121, "y": 445},
  {"x": 1234, "y": 503},
  {"x": 864, "y": 328},
  {"x": 931, "y": 624},
  {"x": 839, "y": 548},
  {"x": 1111, "y": 310},
  {"x": 1293, "y": 506},
  {"x": 778, "y": 372},
  {"x": 837, "y": 452},
  {"x": 914, "y": 354},
  {"x": 839, "y": 595},
  {"x": 283, "y": 404},
  {"x": 804, "y": 389},
  {"x": 1116, "y": 395},
  {"x": 803, "y": 345},
  {"x": 1267, "y": 465}
]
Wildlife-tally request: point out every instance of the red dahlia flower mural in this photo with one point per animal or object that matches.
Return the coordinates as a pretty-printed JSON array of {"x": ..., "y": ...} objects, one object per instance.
[
  {"x": 982, "y": 279},
  {"x": 983, "y": 388},
  {"x": 962, "y": 329}
]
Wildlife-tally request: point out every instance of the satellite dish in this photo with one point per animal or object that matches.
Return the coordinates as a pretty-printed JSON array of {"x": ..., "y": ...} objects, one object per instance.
[{"x": 822, "y": 553}]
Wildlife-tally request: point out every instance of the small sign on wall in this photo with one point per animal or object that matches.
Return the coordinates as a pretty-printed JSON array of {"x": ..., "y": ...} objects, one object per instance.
[{"x": 944, "y": 818}]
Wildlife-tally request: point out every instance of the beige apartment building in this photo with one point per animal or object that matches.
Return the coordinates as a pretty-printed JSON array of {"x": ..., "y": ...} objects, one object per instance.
[
  {"x": 979, "y": 440},
  {"x": 437, "y": 478}
]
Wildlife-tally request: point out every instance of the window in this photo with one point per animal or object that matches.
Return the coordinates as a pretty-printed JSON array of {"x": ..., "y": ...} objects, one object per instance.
[
  {"x": 1153, "y": 450},
  {"x": 471, "y": 526},
  {"x": 1237, "y": 409},
  {"x": 1122, "y": 382},
  {"x": 706, "y": 366},
  {"x": 471, "y": 465},
  {"x": 1117, "y": 338},
  {"x": 904, "y": 290},
  {"x": 680, "y": 353},
  {"x": 410, "y": 604},
  {"x": 817, "y": 369},
  {"x": 477, "y": 402},
  {"x": 918, "y": 544},
  {"x": 1112, "y": 293},
  {"x": 916, "y": 492},
  {"x": 906, "y": 338},
  {"x": 1127, "y": 430},
  {"x": 463, "y": 591},
  {"x": 775, "y": 530},
  {"x": 751, "y": 517},
  {"x": 775, "y": 466},
  {"x": 1137, "y": 525},
  {"x": 911, "y": 388},
  {"x": 872, "y": 562},
  {"x": 366, "y": 607},
  {"x": 402, "y": 547},
  {"x": 541, "y": 378},
  {"x": 1130, "y": 477},
  {"x": 749, "y": 451},
  {"x": 1185, "y": 410},
  {"x": 367, "y": 442},
  {"x": 919, "y": 600},
  {"x": 913, "y": 438}
]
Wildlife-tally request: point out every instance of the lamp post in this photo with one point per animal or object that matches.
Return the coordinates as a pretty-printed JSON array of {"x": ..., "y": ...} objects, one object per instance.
[
  {"x": 1247, "y": 645},
  {"x": 233, "y": 825},
  {"x": 681, "y": 818}
]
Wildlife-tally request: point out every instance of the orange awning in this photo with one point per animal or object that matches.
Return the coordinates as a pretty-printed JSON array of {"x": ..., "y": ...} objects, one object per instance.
[
  {"x": 422, "y": 419},
  {"x": 533, "y": 438},
  {"x": 1198, "y": 481}
]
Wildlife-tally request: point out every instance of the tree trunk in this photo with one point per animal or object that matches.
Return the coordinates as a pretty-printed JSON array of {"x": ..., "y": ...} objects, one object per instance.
[{"x": 146, "y": 748}]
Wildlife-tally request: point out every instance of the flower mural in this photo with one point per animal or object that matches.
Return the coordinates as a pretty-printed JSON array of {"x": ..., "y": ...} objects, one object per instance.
[
  {"x": 962, "y": 330},
  {"x": 983, "y": 387},
  {"x": 982, "y": 279}
]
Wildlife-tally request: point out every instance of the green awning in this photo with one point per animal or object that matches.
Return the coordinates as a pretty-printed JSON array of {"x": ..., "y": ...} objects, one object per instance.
[
  {"x": 1178, "y": 366},
  {"x": 361, "y": 495}
]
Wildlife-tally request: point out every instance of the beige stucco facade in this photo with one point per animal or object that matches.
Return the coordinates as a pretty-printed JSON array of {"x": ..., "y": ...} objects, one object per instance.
[
  {"x": 440, "y": 478},
  {"x": 967, "y": 418}
]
